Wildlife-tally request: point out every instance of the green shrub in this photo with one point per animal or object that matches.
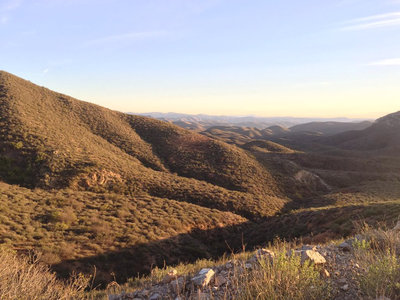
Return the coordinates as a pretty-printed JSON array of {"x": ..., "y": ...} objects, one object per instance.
[
  {"x": 378, "y": 257},
  {"x": 285, "y": 279},
  {"x": 18, "y": 145},
  {"x": 382, "y": 277},
  {"x": 361, "y": 244}
]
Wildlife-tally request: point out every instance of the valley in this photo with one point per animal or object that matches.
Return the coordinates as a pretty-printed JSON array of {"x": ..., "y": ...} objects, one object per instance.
[{"x": 90, "y": 187}]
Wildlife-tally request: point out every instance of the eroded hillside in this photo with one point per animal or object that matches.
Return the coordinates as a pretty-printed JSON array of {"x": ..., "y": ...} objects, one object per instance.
[
  {"x": 88, "y": 186},
  {"x": 51, "y": 140}
]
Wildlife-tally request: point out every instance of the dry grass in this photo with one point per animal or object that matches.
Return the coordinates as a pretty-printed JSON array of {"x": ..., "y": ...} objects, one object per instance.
[
  {"x": 285, "y": 279},
  {"x": 26, "y": 278},
  {"x": 67, "y": 224},
  {"x": 99, "y": 181},
  {"x": 377, "y": 254},
  {"x": 379, "y": 258},
  {"x": 54, "y": 141}
]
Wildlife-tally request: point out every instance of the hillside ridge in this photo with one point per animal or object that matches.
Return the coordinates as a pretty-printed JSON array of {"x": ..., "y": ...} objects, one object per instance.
[{"x": 67, "y": 142}]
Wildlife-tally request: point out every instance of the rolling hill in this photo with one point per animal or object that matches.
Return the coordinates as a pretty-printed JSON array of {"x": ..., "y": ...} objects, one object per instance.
[
  {"x": 330, "y": 128},
  {"x": 238, "y": 135},
  {"x": 88, "y": 186},
  {"x": 383, "y": 135},
  {"x": 50, "y": 140},
  {"x": 78, "y": 180},
  {"x": 203, "y": 122},
  {"x": 266, "y": 146}
]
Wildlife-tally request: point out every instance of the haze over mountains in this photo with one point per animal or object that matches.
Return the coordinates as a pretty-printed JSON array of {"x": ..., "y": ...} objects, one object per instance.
[
  {"x": 382, "y": 135},
  {"x": 88, "y": 186},
  {"x": 202, "y": 122},
  {"x": 240, "y": 130},
  {"x": 239, "y": 135}
]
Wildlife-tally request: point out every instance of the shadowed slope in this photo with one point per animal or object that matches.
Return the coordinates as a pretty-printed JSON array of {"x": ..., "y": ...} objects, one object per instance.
[
  {"x": 67, "y": 224},
  {"x": 266, "y": 146},
  {"x": 384, "y": 134},
  {"x": 193, "y": 155},
  {"x": 330, "y": 128},
  {"x": 52, "y": 140}
]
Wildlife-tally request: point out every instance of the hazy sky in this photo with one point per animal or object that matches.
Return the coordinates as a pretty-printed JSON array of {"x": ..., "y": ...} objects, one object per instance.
[{"x": 264, "y": 57}]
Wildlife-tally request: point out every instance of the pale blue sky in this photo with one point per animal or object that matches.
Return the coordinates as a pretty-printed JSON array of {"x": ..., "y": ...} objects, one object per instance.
[{"x": 263, "y": 57}]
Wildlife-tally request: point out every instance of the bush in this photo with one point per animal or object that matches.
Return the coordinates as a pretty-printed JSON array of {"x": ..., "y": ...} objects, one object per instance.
[
  {"x": 378, "y": 256},
  {"x": 18, "y": 145},
  {"x": 286, "y": 278},
  {"x": 25, "y": 278},
  {"x": 382, "y": 277}
]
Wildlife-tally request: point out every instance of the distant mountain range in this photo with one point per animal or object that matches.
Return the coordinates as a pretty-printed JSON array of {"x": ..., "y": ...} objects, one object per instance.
[
  {"x": 202, "y": 122},
  {"x": 329, "y": 128},
  {"x": 239, "y": 135},
  {"x": 383, "y": 134},
  {"x": 88, "y": 186}
]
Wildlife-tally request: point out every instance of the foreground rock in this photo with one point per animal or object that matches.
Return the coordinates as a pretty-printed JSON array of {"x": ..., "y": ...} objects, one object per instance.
[
  {"x": 172, "y": 275},
  {"x": 203, "y": 278},
  {"x": 345, "y": 246},
  {"x": 313, "y": 256},
  {"x": 309, "y": 255},
  {"x": 334, "y": 263},
  {"x": 263, "y": 255}
]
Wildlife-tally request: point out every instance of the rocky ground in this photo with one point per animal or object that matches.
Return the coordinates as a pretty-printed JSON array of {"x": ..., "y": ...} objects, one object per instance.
[
  {"x": 212, "y": 283},
  {"x": 335, "y": 262}
]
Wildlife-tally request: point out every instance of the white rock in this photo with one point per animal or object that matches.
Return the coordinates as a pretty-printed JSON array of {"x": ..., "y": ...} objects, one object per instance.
[
  {"x": 204, "y": 271},
  {"x": 312, "y": 256},
  {"x": 204, "y": 277},
  {"x": 265, "y": 254},
  {"x": 170, "y": 276},
  {"x": 325, "y": 273},
  {"x": 308, "y": 247}
]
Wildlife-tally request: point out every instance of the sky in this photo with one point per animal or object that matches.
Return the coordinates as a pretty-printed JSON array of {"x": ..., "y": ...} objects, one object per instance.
[{"x": 309, "y": 58}]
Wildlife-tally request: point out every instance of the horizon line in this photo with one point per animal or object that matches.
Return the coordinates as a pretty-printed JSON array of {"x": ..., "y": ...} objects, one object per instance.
[{"x": 251, "y": 115}]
